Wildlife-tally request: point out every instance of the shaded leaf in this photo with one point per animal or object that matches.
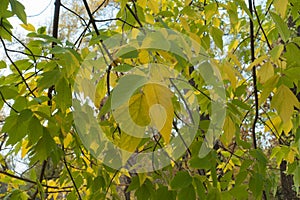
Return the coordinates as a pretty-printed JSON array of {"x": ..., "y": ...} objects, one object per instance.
[{"x": 181, "y": 180}]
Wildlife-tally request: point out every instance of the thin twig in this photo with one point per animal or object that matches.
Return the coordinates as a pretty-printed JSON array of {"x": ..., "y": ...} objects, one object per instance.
[
  {"x": 70, "y": 174},
  {"x": 33, "y": 182},
  {"x": 3, "y": 99},
  {"x": 16, "y": 67},
  {"x": 252, "y": 50}
]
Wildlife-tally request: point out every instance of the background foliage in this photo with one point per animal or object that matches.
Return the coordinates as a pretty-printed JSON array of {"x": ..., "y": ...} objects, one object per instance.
[{"x": 256, "y": 47}]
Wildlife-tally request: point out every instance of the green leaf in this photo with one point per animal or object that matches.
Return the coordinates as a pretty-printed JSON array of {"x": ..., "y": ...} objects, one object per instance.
[
  {"x": 256, "y": 185},
  {"x": 214, "y": 194},
  {"x": 128, "y": 52},
  {"x": 187, "y": 193},
  {"x": 144, "y": 192},
  {"x": 17, "y": 194},
  {"x": 18, "y": 9},
  {"x": 135, "y": 183},
  {"x": 292, "y": 73},
  {"x": 217, "y": 36},
  {"x": 35, "y": 130},
  {"x": 3, "y": 8},
  {"x": 123, "y": 68},
  {"x": 2, "y": 64},
  {"x": 8, "y": 92},
  {"x": 281, "y": 27},
  {"x": 23, "y": 64},
  {"x": 242, "y": 175},
  {"x": 45, "y": 147},
  {"x": 64, "y": 96},
  {"x": 181, "y": 180},
  {"x": 200, "y": 163},
  {"x": 163, "y": 193},
  {"x": 5, "y": 29},
  {"x": 239, "y": 192},
  {"x": 200, "y": 189},
  {"x": 17, "y": 126},
  {"x": 20, "y": 103},
  {"x": 244, "y": 6},
  {"x": 241, "y": 104},
  {"x": 296, "y": 178},
  {"x": 49, "y": 78}
]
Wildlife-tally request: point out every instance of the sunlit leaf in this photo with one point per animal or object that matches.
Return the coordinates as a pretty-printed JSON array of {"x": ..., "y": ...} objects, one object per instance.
[
  {"x": 28, "y": 27},
  {"x": 284, "y": 101},
  {"x": 159, "y": 99}
]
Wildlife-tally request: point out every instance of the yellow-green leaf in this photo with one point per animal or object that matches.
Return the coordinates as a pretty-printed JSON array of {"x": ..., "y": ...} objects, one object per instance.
[
  {"x": 265, "y": 72},
  {"x": 159, "y": 99},
  {"x": 268, "y": 87},
  {"x": 2, "y": 64},
  {"x": 229, "y": 131},
  {"x": 280, "y": 6},
  {"x": 284, "y": 101},
  {"x": 128, "y": 144},
  {"x": 257, "y": 61},
  {"x": 276, "y": 52},
  {"x": 154, "y": 6},
  {"x": 281, "y": 26},
  {"x": 100, "y": 92},
  {"x": 139, "y": 109}
]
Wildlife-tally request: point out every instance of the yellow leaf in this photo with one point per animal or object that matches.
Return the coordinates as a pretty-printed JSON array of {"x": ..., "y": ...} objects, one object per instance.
[
  {"x": 290, "y": 156},
  {"x": 257, "y": 61},
  {"x": 25, "y": 148},
  {"x": 274, "y": 124},
  {"x": 162, "y": 114},
  {"x": 142, "y": 3},
  {"x": 229, "y": 131},
  {"x": 229, "y": 71},
  {"x": 265, "y": 72},
  {"x": 284, "y": 101},
  {"x": 128, "y": 142},
  {"x": 149, "y": 19},
  {"x": 144, "y": 56},
  {"x": 68, "y": 139},
  {"x": 100, "y": 92},
  {"x": 28, "y": 27},
  {"x": 185, "y": 24},
  {"x": 154, "y": 6},
  {"x": 235, "y": 59}
]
